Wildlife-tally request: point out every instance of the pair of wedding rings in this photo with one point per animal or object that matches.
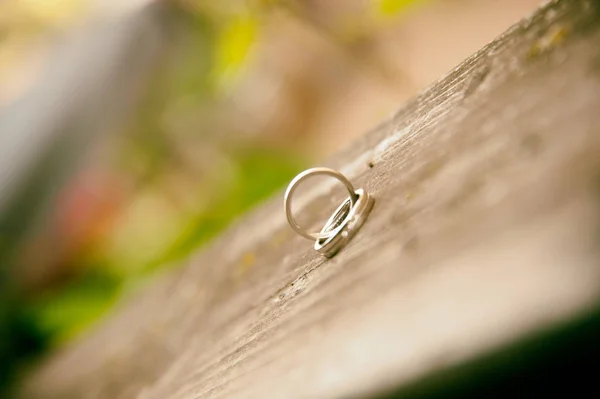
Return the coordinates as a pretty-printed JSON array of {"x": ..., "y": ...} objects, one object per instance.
[{"x": 343, "y": 224}]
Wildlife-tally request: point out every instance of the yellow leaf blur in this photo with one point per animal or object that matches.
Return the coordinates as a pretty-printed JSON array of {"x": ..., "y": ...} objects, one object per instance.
[
  {"x": 233, "y": 45},
  {"x": 392, "y": 7}
]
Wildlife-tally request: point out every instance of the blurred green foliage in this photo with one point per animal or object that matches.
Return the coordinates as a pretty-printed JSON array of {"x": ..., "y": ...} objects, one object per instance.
[
  {"x": 64, "y": 313},
  {"x": 213, "y": 53}
]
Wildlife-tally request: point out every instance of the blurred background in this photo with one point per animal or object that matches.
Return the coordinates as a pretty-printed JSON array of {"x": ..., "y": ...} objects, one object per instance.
[{"x": 217, "y": 111}]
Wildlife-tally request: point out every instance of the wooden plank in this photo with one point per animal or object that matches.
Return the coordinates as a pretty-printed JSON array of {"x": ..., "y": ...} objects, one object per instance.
[{"x": 484, "y": 232}]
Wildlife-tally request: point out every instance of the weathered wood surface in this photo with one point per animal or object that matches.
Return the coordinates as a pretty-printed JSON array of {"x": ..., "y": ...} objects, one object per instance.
[{"x": 484, "y": 232}]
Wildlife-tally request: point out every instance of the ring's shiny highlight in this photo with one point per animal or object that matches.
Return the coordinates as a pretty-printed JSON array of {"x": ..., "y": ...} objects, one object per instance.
[{"x": 343, "y": 223}]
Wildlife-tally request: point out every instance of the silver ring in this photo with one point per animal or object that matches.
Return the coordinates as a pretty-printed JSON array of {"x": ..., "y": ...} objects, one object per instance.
[{"x": 287, "y": 200}]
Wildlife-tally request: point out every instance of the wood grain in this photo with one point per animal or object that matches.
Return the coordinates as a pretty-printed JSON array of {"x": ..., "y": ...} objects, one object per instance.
[{"x": 484, "y": 232}]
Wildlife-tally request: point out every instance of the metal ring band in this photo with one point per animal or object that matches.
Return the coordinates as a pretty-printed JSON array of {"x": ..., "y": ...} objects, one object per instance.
[{"x": 294, "y": 184}]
